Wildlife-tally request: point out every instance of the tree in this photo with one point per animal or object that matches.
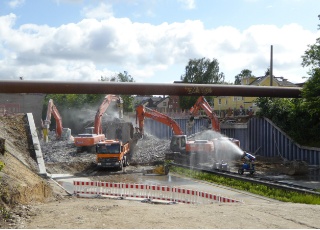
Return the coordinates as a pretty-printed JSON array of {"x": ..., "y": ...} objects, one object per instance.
[
  {"x": 311, "y": 56},
  {"x": 200, "y": 71},
  {"x": 311, "y": 88},
  {"x": 245, "y": 73},
  {"x": 127, "y": 99},
  {"x": 311, "y": 93},
  {"x": 300, "y": 117}
]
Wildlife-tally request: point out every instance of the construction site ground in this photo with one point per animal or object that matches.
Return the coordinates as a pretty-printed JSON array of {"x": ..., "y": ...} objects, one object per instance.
[{"x": 30, "y": 201}]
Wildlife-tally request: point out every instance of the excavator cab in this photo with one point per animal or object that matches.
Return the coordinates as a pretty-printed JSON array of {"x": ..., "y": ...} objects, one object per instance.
[{"x": 178, "y": 143}]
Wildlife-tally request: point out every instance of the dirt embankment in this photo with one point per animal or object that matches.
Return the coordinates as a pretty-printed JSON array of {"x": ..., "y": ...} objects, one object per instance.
[{"x": 20, "y": 184}]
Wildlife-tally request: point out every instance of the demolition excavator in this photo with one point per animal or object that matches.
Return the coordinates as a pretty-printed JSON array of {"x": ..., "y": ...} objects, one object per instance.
[
  {"x": 182, "y": 150},
  {"x": 203, "y": 104},
  {"x": 61, "y": 133},
  {"x": 87, "y": 141}
]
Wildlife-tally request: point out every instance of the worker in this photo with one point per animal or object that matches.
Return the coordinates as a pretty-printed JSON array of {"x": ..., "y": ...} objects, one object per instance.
[{"x": 248, "y": 158}]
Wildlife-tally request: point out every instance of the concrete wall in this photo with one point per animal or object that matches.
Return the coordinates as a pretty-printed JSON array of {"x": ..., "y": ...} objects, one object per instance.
[{"x": 24, "y": 103}]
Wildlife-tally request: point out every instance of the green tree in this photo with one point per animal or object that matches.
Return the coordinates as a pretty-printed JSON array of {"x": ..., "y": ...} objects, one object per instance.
[
  {"x": 300, "y": 117},
  {"x": 311, "y": 93},
  {"x": 311, "y": 56},
  {"x": 200, "y": 71},
  {"x": 245, "y": 73},
  {"x": 127, "y": 99}
]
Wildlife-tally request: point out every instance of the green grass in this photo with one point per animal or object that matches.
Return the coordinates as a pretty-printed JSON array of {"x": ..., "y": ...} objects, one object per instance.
[{"x": 262, "y": 190}]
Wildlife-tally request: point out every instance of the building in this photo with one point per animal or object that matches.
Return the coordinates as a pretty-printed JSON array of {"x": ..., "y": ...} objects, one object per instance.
[{"x": 238, "y": 105}]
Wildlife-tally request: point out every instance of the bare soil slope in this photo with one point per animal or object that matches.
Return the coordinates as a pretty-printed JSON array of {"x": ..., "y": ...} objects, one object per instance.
[{"x": 20, "y": 184}]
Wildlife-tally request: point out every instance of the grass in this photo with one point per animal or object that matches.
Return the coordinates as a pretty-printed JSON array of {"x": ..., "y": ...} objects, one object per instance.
[
  {"x": 262, "y": 190},
  {"x": 4, "y": 213}
]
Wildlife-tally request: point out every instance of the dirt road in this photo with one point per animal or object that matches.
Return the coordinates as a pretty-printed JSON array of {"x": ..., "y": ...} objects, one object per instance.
[{"x": 79, "y": 213}]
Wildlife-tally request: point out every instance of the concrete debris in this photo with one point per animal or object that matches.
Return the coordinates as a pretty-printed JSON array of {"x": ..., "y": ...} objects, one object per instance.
[
  {"x": 150, "y": 149},
  {"x": 147, "y": 150}
]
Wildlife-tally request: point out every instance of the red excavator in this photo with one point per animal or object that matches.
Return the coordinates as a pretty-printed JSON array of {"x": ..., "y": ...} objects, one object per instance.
[
  {"x": 183, "y": 150},
  {"x": 88, "y": 141},
  {"x": 202, "y": 103},
  {"x": 61, "y": 133}
]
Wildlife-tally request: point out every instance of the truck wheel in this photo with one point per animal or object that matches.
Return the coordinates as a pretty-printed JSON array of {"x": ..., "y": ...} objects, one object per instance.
[
  {"x": 120, "y": 166},
  {"x": 125, "y": 161}
]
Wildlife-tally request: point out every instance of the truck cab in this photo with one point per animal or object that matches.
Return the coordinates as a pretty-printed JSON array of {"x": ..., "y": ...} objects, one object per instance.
[{"x": 112, "y": 154}]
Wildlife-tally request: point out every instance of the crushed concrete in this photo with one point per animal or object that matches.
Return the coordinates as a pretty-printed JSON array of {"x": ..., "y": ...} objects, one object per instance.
[
  {"x": 149, "y": 149},
  {"x": 56, "y": 153}
]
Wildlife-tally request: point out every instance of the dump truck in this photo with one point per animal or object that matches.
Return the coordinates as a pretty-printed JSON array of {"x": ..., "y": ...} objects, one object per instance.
[{"x": 115, "y": 150}]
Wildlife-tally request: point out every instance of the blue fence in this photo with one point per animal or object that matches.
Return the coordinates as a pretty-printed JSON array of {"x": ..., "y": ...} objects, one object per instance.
[
  {"x": 266, "y": 139},
  {"x": 259, "y": 136}
]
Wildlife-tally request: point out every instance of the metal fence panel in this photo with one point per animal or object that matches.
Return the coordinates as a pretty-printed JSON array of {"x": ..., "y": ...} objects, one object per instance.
[
  {"x": 259, "y": 136},
  {"x": 266, "y": 139}
]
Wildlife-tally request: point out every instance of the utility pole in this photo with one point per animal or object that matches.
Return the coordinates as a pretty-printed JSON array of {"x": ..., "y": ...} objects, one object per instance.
[{"x": 271, "y": 66}]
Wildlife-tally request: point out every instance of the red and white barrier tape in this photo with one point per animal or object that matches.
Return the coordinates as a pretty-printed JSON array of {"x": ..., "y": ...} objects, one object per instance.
[{"x": 165, "y": 193}]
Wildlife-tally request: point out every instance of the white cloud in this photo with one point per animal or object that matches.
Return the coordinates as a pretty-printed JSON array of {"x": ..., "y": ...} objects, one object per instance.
[
  {"x": 188, "y": 4},
  {"x": 103, "y": 11},
  {"x": 92, "y": 48},
  {"x": 16, "y": 3}
]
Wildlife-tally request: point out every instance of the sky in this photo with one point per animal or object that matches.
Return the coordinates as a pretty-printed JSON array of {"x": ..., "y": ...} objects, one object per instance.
[{"x": 153, "y": 40}]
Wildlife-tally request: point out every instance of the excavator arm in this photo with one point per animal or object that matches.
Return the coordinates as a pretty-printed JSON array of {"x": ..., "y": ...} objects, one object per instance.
[
  {"x": 52, "y": 109},
  {"x": 142, "y": 112},
  {"x": 202, "y": 103},
  {"x": 103, "y": 107}
]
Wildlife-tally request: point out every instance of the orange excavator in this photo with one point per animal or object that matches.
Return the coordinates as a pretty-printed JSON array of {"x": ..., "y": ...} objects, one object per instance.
[
  {"x": 93, "y": 135},
  {"x": 183, "y": 150},
  {"x": 61, "y": 133},
  {"x": 202, "y": 103}
]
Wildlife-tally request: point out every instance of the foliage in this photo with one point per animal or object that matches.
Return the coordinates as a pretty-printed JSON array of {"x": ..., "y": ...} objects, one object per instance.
[
  {"x": 299, "y": 118},
  {"x": 311, "y": 56},
  {"x": 4, "y": 213},
  {"x": 1, "y": 165},
  {"x": 127, "y": 99},
  {"x": 293, "y": 117},
  {"x": 311, "y": 93},
  {"x": 69, "y": 105},
  {"x": 262, "y": 190},
  {"x": 200, "y": 71},
  {"x": 245, "y": 73}
]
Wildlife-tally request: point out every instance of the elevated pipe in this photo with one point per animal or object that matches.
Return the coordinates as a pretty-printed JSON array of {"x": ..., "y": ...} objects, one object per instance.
[{"x": 133, "y": 88}]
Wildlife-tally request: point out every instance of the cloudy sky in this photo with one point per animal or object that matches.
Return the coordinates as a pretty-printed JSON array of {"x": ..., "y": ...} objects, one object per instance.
[{"x": 153, "y": 40}]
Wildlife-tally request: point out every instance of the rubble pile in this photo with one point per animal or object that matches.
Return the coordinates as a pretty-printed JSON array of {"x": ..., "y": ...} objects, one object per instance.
[
  {"x": 149, "y": 149},
  {"x": 63, "y": 151},
  {"x": 57, "y": 153}
]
